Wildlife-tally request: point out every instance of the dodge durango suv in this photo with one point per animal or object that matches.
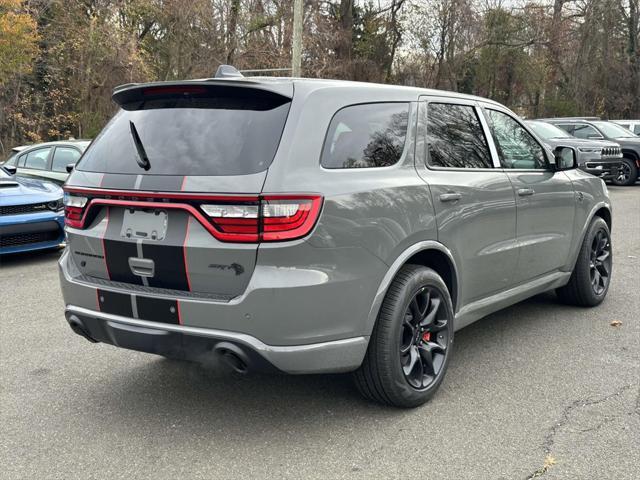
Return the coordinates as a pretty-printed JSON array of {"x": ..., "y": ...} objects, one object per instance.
[{"x": 313, "y": 226}]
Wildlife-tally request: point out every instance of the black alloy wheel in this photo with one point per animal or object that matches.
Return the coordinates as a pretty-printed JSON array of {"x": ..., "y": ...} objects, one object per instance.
[
  {"x": 600, "y": 262},
  {"x": 411, "y": 343},
  {"x": 424, "y": 338}
]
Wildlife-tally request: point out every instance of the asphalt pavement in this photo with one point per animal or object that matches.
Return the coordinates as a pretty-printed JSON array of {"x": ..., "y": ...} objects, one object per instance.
[{"x": 539, "y": 390}]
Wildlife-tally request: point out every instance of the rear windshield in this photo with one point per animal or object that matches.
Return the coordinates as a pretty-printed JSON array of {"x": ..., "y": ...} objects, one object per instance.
[{"x": 224, "y": 131}]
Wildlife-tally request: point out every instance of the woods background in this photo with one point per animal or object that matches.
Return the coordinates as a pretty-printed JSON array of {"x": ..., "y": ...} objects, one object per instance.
[{"x": 60, "y": 59}]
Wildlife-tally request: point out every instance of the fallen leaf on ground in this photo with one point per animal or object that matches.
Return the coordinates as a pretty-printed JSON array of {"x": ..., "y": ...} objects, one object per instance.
[{"x": 615, "y": 323}]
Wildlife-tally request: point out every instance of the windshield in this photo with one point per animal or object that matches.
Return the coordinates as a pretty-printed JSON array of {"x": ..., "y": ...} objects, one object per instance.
[
  {"x": 213, "y": 135},
  {"x": 613, "y": 131},
  {"x": 547, "y": 131}
]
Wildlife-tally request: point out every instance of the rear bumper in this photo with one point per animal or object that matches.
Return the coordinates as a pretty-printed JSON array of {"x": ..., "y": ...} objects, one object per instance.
[{"x": 200, "y": 344}]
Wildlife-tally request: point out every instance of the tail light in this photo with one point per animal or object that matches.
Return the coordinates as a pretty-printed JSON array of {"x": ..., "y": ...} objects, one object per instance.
[
  {"x": 74, "y": 210},
  {"x": 272, "y": 218},
  {"x": 234, "y": 223},
  {"x": 288, "y": 217},
  {"x": 245, "y": 219}
]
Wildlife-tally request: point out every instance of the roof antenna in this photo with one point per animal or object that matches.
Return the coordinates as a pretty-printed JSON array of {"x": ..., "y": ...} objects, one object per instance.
[{"x": 228, "y": 71}]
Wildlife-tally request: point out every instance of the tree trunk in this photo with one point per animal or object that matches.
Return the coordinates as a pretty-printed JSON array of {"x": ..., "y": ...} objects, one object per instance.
[
  {"x": 232, "y": 34},
  {"x": 344, "y": 48},
  {"x": 633, "y": 52}
]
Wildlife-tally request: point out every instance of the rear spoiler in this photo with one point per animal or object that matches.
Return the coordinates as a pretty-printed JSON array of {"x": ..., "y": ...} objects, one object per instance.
[{"x": 135, "y": 92}]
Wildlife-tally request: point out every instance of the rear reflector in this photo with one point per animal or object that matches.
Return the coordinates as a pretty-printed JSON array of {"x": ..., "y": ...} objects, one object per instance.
[{"x": 245, "y": 219}]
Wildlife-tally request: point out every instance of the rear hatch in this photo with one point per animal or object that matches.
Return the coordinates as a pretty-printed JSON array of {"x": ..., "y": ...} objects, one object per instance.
[{"x": 168, "y": 198}]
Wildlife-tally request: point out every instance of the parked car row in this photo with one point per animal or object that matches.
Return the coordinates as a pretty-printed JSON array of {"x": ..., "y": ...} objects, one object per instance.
[
  {"x": 31, "y": 207},
  {"x": 621, "y": 167},
  {"x": 598, "y": 157},
  {"x": 31, "y": 213},
  {"x": 48, "y": 161}
]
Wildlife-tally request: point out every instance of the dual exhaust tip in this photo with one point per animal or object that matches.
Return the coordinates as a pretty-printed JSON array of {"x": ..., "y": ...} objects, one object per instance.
[
  {"x": 232, "y": 356},
  {"x": 229, "y": 353}
]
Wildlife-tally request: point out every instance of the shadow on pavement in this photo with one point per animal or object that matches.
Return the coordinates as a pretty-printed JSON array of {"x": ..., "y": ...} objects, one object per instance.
[
  {"x": 210, "y": 399},
  {"x": 30, "y": 258}
]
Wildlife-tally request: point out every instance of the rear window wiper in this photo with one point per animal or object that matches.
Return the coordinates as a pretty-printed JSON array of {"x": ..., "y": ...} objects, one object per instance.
[{"x": 142, "y": 159}]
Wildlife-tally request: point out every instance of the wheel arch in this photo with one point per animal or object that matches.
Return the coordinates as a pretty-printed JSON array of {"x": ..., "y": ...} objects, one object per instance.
[
  {"x": 430, "y": 254},
  {"x": 602, "y": 210},
  {"x": 629, "y": 153},
  {"x": 605, "y": 214}
]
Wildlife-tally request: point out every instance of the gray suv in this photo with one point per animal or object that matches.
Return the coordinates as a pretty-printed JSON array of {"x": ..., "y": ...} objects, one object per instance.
[
  {"x": 313, "y": 226},
  {"x": 597, "y": 157},
  {"x": 596, "y": 129}
]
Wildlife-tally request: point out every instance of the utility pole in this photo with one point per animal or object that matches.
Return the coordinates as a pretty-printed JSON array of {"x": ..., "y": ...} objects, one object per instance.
[{"x": 296, "y": 54}]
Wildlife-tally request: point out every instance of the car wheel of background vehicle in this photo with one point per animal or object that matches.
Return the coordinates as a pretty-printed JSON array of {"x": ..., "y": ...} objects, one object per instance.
[
  {"x": 411, "y": 343},
  {"x": 628, "y": 173},
  {"x": 591, "y": 275}
]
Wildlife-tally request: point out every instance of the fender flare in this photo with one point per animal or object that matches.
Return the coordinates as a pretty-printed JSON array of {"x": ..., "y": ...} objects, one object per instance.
[
  {"x": 598, "y": 206},
  {"x": 395, "y": 268}
]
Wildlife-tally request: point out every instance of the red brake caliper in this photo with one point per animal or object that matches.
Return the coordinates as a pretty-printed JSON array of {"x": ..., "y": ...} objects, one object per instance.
[{"x": 426, "y": 336}]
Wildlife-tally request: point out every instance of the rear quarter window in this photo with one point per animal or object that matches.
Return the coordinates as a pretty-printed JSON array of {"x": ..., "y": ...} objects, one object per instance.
[{"x": 366, "y": 136}]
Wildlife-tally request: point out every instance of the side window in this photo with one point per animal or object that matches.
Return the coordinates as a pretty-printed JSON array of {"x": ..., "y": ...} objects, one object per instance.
[
  {"x": 585, "y": 131},
  {"x": 364, "y": 136},
  {"x": 37, "y": 159},
  {"x": 566, "y": 128},
  {"x": 62, "y": 157},
  {"x": 455, "y": 137},
  {"x": 516, "y": 147},
  {"x": 21, "y": 160},
  {"x": 13, "y": 160},
  {"x": 636, "y": 129}
]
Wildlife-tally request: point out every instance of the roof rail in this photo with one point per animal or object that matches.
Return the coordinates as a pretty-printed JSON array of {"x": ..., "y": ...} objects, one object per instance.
[{"x": 228, "y": 71}]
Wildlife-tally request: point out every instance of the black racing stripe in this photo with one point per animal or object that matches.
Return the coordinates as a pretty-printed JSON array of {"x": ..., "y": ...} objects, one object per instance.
[
  {"x": 163, "y": 183},
  {"x": 157, "y": 310},
  {"x": 118, "y": 181},
  {"x": 169, "y": 266},
  {"x": 117, "y": 256},
  {"x": 117, "y": 250},
  {"x": 168, "y": 255},
  {"x": 115, "y": 303}
]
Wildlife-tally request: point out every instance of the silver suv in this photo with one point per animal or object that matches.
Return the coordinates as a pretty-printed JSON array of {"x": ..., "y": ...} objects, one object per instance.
[
  {"x": 49, "y": 161},
  {"x": 312, "y": 226}
]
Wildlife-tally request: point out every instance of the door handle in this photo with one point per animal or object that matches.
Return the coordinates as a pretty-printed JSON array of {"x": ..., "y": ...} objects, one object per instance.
[
  {"x": 525, "y": 192},
  {"x": 450, "y": 197},
  {"x": 143, "y": 267}
]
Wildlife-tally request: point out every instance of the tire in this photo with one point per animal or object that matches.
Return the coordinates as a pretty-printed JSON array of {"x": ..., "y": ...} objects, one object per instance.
[
  {"x": 415, "y": 324},
  {"x": 591, "y": 266},
  {"x": 628, "y": 173}
]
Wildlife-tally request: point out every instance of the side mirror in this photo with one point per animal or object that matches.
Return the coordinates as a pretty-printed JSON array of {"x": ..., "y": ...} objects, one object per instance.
[
  {"x": 11, "y": 169},
  {"x": 566, "y": 158},
  {"x": 70, "y": 167}
]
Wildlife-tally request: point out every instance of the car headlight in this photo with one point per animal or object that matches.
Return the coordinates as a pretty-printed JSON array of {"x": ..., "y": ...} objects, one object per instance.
[
  {"x": 590, "y": 149},
  {"x": 56, "y": 205}
]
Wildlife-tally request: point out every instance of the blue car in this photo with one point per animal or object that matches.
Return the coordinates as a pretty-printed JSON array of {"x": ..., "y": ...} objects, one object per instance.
[{"x": 31, "y": 213}]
